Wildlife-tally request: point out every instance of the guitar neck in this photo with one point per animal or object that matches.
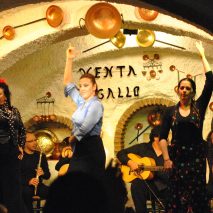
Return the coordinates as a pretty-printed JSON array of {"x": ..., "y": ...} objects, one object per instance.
[{"x": 152, "y": 168}]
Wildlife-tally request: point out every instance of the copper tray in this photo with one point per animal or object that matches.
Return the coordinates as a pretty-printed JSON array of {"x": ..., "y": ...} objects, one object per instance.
[{"x": 103, "y": 20}]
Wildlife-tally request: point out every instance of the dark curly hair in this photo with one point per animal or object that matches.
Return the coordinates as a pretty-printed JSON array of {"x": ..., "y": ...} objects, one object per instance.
[
  {"x": 190, "y": 81},
  {"x": 7, "y": 93}
]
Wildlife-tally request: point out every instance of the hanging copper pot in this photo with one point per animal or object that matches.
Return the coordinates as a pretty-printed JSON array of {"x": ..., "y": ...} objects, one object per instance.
[
  {"x": 8, "y": 32},
  {"x": 172, "y": 68},
  {"x": 53, "y": 117},
  {"x": 119, "y": 39},
  {"x": 152, "y": 73},
  {"x": 145, "y": 38},
  {"x": 54, "y": 15},
  {"x": 146, "y": 14},
  {"x": 36, "y": 118},
  {"x": 138, "y": 126},
  {"x": 189, "y": 76},
  {"x": 103, "y": 20},
  {"x": 154, "y": 118}
]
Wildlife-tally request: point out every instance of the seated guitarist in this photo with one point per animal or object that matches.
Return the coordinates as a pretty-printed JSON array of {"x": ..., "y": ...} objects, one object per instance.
[{"x": 141, "y": 188}]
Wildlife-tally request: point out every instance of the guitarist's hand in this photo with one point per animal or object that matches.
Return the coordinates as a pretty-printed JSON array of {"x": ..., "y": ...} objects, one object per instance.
[
  {"x": 133, "y": 165},
  {"x": 168, "y": 164}
]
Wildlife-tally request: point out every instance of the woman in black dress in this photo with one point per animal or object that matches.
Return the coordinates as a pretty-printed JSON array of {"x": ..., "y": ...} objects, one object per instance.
[
  {"x": 210, "y": 165},
  {"x": 12, "y": 139},
  {"x": 187, "y": 159}
]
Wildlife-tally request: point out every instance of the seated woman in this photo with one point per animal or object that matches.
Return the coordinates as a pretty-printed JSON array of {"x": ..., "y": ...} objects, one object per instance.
[{"x": 66, "y": 153}]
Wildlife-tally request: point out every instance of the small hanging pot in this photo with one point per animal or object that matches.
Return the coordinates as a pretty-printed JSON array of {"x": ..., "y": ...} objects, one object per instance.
[
  {"x": 152, "y": 73},
  {"x": 146, "y": 14},
  {"x": 154, "y": 118},
  {"x": 8, "y": 32},
  {"x": 54, "y": 15},
  {"x": 119, "y": 39},
  {"x": 103, "y": 20},
  {"x": 145, "y": 38}
]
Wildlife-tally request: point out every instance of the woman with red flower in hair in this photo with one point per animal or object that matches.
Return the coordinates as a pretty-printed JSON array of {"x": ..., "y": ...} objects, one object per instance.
[{"x": 12, "y": 139}]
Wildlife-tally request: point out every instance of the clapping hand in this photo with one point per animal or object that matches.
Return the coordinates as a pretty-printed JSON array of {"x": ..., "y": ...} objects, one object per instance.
[
  {"x": 72, "y": 52},
  {"x": 21, "y": 153}
]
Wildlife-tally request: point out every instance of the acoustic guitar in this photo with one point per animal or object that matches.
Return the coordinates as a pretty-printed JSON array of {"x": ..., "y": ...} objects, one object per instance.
[{"x": 145, "y": 171}]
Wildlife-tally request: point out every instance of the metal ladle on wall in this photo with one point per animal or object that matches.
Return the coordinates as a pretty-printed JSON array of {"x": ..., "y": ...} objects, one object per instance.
[{"x": 54, "y": 17}]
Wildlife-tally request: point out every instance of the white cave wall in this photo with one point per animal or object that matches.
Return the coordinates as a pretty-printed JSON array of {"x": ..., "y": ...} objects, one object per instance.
[{"x": 33, "y": 62}]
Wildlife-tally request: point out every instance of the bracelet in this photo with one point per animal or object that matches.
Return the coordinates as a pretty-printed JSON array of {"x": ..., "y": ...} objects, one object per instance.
[{"x": 166, "y": 159}]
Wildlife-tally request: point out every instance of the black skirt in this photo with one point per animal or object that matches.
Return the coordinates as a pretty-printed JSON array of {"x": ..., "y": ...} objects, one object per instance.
[{"x": 89, "y": 157}]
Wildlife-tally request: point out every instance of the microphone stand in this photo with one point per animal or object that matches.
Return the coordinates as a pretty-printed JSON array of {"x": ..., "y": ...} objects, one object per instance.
[
  {"x": 140, "y": 134},
  {"x": 159, "y": 201}
]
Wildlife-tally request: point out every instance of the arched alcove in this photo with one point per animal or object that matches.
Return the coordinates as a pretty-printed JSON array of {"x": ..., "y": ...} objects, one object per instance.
[
  {"x": 122, "y": 123},
  {"x": 60, "y": 120}
]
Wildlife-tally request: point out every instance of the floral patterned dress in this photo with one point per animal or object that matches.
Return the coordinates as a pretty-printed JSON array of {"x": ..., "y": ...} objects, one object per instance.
[{"x": 188, "y": 152}]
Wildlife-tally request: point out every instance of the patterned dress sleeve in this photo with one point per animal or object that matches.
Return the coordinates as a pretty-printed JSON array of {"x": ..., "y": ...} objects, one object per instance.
[
  {"x": 21, "y": 131},
  {"x": 206, "y": 94},
  {"x": 166, "y": 123}
]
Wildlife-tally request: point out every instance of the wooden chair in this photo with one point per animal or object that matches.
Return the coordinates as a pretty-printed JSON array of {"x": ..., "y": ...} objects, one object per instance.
[{"x": 38, "y": 204}]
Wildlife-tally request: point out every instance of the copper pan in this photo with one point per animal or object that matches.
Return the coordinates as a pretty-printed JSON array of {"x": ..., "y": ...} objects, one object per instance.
[
  {"x": 146, "y": 14},
  {"x": 103, "y": 20},
  {"x": 54, "y": 15},
  {"x": 145, "y": 38},
  {"x": 8, "y": 32}
]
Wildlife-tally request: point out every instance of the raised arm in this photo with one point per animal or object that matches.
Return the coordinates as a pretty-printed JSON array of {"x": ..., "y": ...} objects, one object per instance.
[
  {"x": 70, "y": 54},
  {"x": 201, "y": 50}
]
